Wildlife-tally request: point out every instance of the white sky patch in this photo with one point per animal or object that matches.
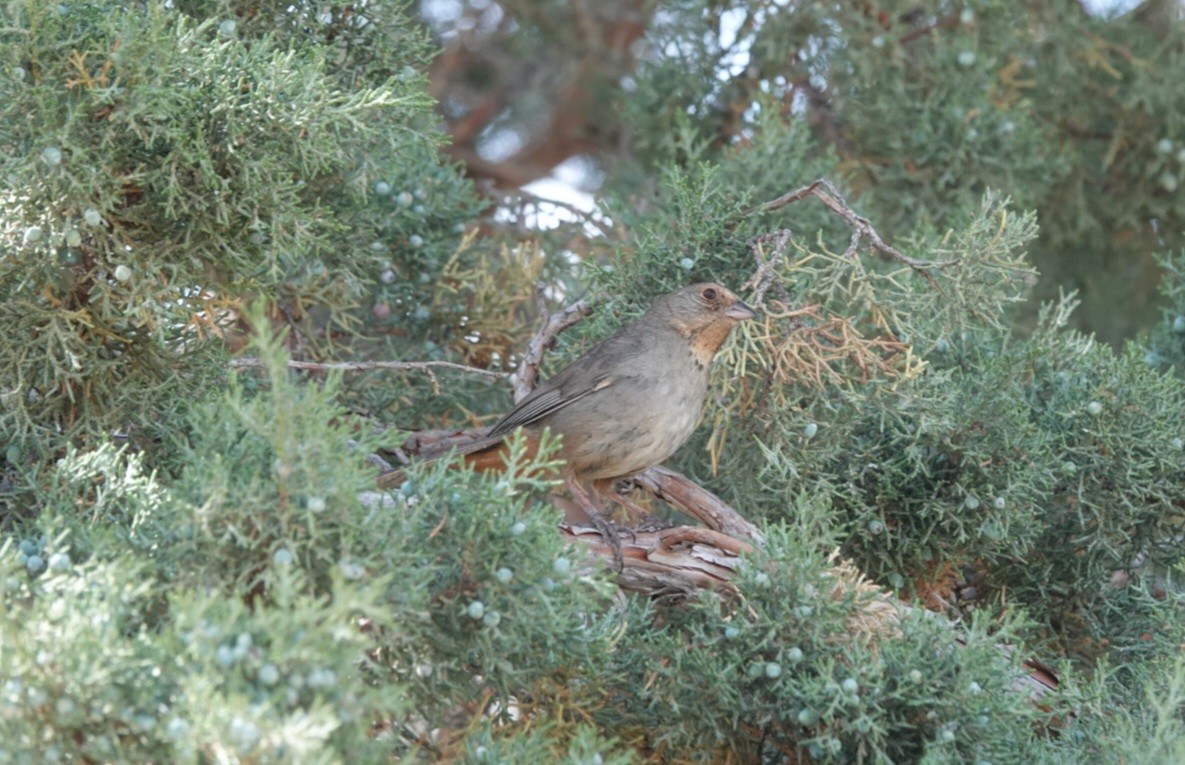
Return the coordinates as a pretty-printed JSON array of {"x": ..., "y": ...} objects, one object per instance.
[
  {"x": 1110, "y": 8},
  {"x": 562, "y": 190},
  {"x": 563, "y": 186},
  {"x": 734, "y": 62},
  {"x": 500, "y": 145},
  {"x": 440, "y": 11}
]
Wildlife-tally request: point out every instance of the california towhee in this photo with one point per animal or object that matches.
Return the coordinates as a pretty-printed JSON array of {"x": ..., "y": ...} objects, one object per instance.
[{"x": 628, "y": 403}]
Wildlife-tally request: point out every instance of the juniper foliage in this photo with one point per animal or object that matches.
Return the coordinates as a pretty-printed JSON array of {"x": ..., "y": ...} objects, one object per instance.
[{"x": 195, "y": 566}]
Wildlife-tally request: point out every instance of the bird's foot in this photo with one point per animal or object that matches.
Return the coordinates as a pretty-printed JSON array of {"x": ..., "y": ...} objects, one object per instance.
[
  {"x": 609, "y": 531},
  {"x": 612, "y": 534}
]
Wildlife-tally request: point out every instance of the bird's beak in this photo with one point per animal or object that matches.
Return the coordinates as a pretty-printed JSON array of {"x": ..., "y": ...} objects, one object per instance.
[{"x": 738, "y": 311}]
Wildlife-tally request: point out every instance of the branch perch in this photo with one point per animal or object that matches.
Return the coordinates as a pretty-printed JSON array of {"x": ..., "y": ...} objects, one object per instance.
[
  {"x": 669, "y": 565},
  {"x": 689, "y": 497}
]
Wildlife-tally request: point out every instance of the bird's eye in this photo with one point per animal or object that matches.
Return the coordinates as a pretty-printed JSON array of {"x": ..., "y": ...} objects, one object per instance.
[{"x": 709, "y": 293}]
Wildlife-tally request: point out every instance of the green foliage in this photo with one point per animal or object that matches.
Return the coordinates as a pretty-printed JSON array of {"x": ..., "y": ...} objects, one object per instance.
[
  {"x": 940, "y": 471},
  {"x": 283, "y": 609},
  {"x": 76, "y": 660},
  {"x": 89, "y": 679},
  {"x": 195, "y": 566},
  {"x": 1166, "y": 341},
  {"x": 160, "y": 167},
  {"x": 1046, "y": 470},
  {"x": 1054, "y": 464},
  {"x": 543, "y": 744},
  {"x": 1113, "y": 428},
  {"x": 942, "y": 117},
  {"x": 1146, "y": 728},
  {"x": 261, "y": 473},
  {"x": 928, "y": 105},
  {"x": 891, "y": 691}
]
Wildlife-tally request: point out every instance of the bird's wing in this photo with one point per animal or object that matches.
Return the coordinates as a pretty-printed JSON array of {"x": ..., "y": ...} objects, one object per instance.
[
  {"x": 547, "y": 399},
  {"x": 604, "y": 365}
]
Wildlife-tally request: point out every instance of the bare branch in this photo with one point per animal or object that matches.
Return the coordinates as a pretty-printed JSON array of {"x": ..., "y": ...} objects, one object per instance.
[
  {"x": 686, "y": 496},
  {"x": 786, "y": 199},
  {"x": 524, "y": 379},
  {"x": 827, "y": 194},
  {"x": 950, "y": 21},
  {"x": 671, "y": 487},
  {"x": 361, "y": 366}
]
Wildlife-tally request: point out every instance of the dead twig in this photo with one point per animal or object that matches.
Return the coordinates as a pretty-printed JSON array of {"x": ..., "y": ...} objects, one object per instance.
[
  {"x": 362, "y": 366},
  {"x": 825, "y": 192},
  {"x": 950, "y": 21},
  {"x": 524, "y": 379},
  {"x": 763, "y": 278},
  {"x": 816, "y": 345}
]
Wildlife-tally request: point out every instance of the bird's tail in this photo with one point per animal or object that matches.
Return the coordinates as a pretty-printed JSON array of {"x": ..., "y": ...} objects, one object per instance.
[{"x": 485, "y": 453}]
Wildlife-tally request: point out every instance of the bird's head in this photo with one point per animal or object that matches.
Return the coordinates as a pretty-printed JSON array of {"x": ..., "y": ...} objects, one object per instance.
[{"x": 704, "y": 313}]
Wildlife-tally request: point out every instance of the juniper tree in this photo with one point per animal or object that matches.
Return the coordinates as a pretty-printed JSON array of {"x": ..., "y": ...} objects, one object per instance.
[{"x": 195, "y": 562}]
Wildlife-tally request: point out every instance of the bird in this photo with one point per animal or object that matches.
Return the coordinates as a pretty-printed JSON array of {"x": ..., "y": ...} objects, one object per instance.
[{"x": 625, "y": 405}]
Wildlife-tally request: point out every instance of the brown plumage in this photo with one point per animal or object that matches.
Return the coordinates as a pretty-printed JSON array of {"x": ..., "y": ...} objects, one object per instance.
[{"x": 629, "y": 402}]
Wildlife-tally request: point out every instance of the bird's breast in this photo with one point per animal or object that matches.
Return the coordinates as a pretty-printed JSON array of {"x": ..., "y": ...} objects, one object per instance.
[{"x": 640, "y": 420}]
